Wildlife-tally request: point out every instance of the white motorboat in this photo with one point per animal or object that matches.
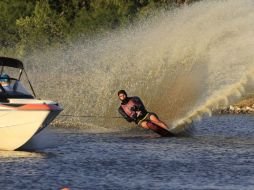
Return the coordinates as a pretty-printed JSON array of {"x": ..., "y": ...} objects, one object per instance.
[{"x": 22, "y": 115}]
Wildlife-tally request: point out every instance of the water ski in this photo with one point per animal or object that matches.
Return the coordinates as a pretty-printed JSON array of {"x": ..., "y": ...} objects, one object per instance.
[{"x": 159, "y": 130}]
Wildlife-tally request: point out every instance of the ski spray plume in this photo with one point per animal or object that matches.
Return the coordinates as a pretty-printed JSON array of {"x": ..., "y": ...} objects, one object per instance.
[{"x": 182, "y": 63}]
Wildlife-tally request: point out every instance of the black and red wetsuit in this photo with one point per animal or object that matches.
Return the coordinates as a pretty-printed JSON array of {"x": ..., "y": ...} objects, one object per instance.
[
  {"x": 130, "y": 107},
  {"x": 133, "y": 109}
]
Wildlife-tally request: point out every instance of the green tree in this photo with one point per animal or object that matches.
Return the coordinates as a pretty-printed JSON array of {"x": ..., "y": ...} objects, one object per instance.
[
  {"x": 37, "y": 24},
  {"x": 10, "y": 11},
  {"x": 104, "y": 15},
  {"x": 43, "y": 28}
]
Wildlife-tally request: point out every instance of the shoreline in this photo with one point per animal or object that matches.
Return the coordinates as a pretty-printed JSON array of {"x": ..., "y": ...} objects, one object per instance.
[{"x": 245, "y": 106}]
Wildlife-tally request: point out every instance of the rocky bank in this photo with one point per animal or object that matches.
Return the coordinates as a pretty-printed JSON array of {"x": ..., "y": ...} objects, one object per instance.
[{"x": 245, "y": 106}]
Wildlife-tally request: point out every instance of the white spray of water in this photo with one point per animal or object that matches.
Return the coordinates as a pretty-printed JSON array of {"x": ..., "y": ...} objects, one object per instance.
[{"x": 182, "y": 63}]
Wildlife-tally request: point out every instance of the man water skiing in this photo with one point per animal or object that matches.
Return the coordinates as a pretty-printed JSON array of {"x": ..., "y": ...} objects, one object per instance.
[{"x": 133, "y": 110}]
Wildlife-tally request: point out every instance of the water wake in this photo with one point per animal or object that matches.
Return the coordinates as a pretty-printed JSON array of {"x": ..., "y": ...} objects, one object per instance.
[{"x": 182, "y": 63}]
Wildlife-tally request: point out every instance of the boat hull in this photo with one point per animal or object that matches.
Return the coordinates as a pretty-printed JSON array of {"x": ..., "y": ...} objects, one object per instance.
[{"x": 19, "y": 125}]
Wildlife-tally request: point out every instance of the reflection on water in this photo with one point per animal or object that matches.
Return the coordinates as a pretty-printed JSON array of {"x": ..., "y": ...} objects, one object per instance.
[{"x": 21, "y": 154}]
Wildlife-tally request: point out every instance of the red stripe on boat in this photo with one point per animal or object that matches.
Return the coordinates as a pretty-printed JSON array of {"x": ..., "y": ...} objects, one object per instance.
[{"x": 38, "y": 107}]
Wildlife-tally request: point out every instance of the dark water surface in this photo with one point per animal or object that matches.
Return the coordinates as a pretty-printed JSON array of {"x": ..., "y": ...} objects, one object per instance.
[{"x": 219, "y": 155}]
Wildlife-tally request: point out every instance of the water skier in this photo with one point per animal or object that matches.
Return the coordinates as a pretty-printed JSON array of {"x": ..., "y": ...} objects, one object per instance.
[{"x": 133, "y": 110}]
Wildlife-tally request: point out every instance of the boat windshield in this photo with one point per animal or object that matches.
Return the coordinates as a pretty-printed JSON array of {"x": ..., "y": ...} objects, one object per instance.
[{"x": 14, "y": 89}]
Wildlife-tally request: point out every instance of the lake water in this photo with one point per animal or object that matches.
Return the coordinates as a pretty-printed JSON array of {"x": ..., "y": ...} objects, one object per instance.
[{"x": 218, "y": 155}]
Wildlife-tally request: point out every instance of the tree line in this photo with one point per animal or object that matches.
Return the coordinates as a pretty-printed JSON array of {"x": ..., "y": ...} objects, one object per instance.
[{"x": 26, "y": 25}]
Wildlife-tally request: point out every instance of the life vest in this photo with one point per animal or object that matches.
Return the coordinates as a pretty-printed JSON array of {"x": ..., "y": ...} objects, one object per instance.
[{"x": 129, "y": 106}]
